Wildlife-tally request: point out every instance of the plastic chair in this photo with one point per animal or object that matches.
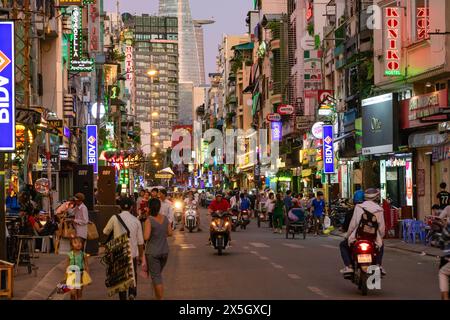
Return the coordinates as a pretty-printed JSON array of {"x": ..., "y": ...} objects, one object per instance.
[
  {"x": 406, "y": 228},
  {"x": 418, "y": 227}
]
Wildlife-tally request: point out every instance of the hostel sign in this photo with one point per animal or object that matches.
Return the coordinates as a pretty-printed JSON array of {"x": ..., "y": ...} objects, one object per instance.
[
  {"x": 393, "y": 42},
  {"x": 92, "y": 146},
  {"x": 328, "y": 149},
  {"x": 7, "y": 95}
]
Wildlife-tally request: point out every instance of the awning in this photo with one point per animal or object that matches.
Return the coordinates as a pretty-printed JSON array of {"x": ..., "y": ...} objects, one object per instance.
[
  {"x": 426, "y": 139},
  {"x": 244, "y": 46},
  {"x": 255, "y": 103}
]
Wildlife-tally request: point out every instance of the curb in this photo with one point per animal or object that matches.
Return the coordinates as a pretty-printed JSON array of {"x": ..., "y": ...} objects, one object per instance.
[
  {"x": 397, "y": 247},
  {"x": 47, "y": 286}
]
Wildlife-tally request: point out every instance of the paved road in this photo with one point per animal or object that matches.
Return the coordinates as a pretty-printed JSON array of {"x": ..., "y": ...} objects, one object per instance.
[{"x": 263, "y": 265}]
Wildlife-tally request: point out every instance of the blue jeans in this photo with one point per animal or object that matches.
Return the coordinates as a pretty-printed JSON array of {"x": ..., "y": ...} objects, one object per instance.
[{"x": 347, "y": 257}]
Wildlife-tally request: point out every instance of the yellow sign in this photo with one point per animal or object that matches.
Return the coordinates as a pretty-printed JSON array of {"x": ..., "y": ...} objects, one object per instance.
[{"x": 163, "y": 176}]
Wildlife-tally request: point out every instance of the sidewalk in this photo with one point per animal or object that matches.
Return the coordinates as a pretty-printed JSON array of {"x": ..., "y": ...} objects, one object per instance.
[{"x": 401, "y": 245}]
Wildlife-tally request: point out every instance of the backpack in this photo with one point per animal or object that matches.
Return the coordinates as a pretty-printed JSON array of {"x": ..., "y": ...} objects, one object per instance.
[{"x": 368, "y": 226}]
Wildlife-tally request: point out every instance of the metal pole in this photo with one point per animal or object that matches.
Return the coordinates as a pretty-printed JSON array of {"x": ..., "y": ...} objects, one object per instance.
[
  {"x": 99, "y": 94},
  {"x": 329, "y": 193},
  {"x": 2, "y": 208}
]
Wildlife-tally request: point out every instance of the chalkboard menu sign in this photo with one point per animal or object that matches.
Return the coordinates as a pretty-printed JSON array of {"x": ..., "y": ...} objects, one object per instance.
[{"x": 119, "y": 265}]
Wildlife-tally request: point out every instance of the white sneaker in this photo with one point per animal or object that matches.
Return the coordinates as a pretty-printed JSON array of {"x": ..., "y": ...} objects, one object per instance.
[{"x": 347, "y": 270}]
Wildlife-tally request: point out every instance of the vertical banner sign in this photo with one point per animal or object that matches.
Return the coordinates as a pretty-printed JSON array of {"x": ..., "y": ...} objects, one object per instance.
[
  {"x": 409, "y": 184},
  {"x": 393, "y": 41},
  {"x": 328, "y": 149},
  {"x": 92, "y": 146},
  {"x": 423, "y": 23},
  {"x": 277, "y": 130},
  {"x": 94, "y": 26},
  {"x": 7, "y": 95}
]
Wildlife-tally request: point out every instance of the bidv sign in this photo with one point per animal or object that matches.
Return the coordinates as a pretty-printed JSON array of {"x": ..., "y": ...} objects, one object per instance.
[
  {"x": 7, "y": 107},
  {"x": 92, "y": 146},
  {"x": 328, "y": 150}
]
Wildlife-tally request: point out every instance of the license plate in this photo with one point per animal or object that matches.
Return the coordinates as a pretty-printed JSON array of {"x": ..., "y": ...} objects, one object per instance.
[{"x": 364, "y": 258}]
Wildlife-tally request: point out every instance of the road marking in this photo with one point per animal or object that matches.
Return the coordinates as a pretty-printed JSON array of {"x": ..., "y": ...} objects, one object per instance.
[
  {"x": 254, "y": 252},
  {"x": 293, "y": 276},
  {"x": 317, "y": 291},
  {"x": 246, "y": 247},
  {"x": 277, "y": 266},
  {"x": 328, "y": 246},
  {"x": 187, "y": 246},
  {"x": 264, "y": 258},
  {"x": 291, "y": 245},
  {"x": 259, "y": 245}
]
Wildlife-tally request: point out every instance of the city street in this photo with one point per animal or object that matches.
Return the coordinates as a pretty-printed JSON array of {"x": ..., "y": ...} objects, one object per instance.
[{"x": 263, "y": 265}]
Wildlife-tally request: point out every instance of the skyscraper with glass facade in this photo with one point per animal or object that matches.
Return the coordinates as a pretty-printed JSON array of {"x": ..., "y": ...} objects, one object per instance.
[{"x": 191, "y": 61}]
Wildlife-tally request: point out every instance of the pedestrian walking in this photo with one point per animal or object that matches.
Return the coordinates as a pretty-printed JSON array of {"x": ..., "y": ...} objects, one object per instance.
[
  {"x": 270, "y": 205},
  {"x": 166, "y": 207},
  {"x": 156, "y": 230},
  {"x": 278, "y": 214},
  {"x": 122, "y": 223},
  {"x": 318, "y": 211},
  {"x": 77, "y": 263},
  {"x": 81, "y": 219}
]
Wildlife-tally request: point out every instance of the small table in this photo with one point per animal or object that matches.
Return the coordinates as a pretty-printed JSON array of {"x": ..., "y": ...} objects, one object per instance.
[{"x": 26, "y": 249}]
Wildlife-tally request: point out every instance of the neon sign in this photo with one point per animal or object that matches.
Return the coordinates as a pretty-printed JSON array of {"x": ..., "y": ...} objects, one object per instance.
[
  {"x": 7, "y": 95},
  {"x": 77, "y": 63},
  {"x": 423, "y": 23},
  {"x": 393, "y": 42}
]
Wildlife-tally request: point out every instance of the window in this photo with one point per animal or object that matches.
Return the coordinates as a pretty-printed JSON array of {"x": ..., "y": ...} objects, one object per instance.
[{"x": 420, "y": 19}]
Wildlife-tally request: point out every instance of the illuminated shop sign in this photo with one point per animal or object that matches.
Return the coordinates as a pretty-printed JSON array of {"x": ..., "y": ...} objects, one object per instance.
[
  {"x": 409, "y": 183},
  {"x": 92, "y": 146},
  {"x": 277, "y": 130},
  {"x": 423, "y": 23},
  {"x": 328, "y": 149},
  {"x": 7, "y": 95},
  {"x": 393, "y": 41},
  {"x": 77, "y": 63}
]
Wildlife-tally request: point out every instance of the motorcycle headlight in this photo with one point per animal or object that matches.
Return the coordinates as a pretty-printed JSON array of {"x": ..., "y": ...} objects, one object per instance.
[
  {"x": 213, "y": 223},
  {"x": 178, "y": 205},
  {"x": 227, "y": 224}
]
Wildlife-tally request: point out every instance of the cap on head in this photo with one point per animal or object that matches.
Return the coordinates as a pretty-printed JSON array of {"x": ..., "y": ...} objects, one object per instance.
[
  {"x": 79, "y": 196},
  {"x": 371, "y": 194}
]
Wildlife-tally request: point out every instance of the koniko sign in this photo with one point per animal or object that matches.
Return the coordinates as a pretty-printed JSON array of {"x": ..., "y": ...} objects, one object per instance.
[
  {"x": 92, "y": 146},
  {"x": 7, "y": 94}
]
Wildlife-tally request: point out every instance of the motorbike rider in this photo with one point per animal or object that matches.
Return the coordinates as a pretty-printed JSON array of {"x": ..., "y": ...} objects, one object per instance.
[
  {"x": 191, "y": 201},
  {"x": 244, "y": 204},
  {"x": 371, "y": 204},
  {"x": 222, "y": 205}
]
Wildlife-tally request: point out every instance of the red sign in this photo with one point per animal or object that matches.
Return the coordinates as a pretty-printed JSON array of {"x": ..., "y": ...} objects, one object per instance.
[
  {"x": 423, "y": 23},
  {"x": 273, "y": 117},
  {"x": 425, "y": 109},
  {"x": 393, "y": 41},
  {"x": 322, "y": 95},
  {"x": 309, "y": 12},
  {"x": 285, "y": 109}
]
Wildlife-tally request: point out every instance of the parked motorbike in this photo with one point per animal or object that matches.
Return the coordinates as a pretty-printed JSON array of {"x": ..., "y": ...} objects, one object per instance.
[
  {"x": 434, "y": 234},
  {"x": 190, "y": 217},
  {"x": 245, "y": 219},
  {"x": 363, "y": 254},
  {"x": 219, "y": 231}
]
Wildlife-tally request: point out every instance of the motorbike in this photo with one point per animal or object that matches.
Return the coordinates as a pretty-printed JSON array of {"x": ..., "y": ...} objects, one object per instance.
[
  {"x": 191, "y": 218},
  {"x": 340, "y": 214},
  {"x": 434, "y": 232},
  {"x": 234, "y": 220},
  {"x": 219, "y": 231},
  {"x": 363, "y": 254},
  {"x": 245, "y": 219},
  {"x": 178, "y": 207}
]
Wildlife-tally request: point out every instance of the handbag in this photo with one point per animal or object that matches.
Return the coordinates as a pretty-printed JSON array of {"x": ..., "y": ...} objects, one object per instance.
[
  {"x": 92, "y": 232},
  {"x": 86, "y": 279},
  {"x": 68, "y": 230}
]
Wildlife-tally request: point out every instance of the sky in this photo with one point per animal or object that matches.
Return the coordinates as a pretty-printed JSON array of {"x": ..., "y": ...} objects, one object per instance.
[{"x": 229, "y": 15}]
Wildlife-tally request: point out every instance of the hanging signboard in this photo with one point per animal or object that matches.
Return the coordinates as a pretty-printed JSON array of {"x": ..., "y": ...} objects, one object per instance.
[
  {"x": 273, "y": 117},
  {"x": 7, "y": 94},
  {"x": 92, "y": 146},
  {"x": 65, "y": 3},
  {"x": 324, "y": 95},
  {"x": 285, "y": 109},
  {"x": 317, "y": 130},
  {"x": 277, "y": 130},
  {"x": 328, "y": 149},
  {"x": 393, "y": 41},
  {"x": 423, "y": 23},
  {"x": 94, "y": 26},
  {"x": 409, "y": 184},
  {"x": 77, "y": 63}
]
